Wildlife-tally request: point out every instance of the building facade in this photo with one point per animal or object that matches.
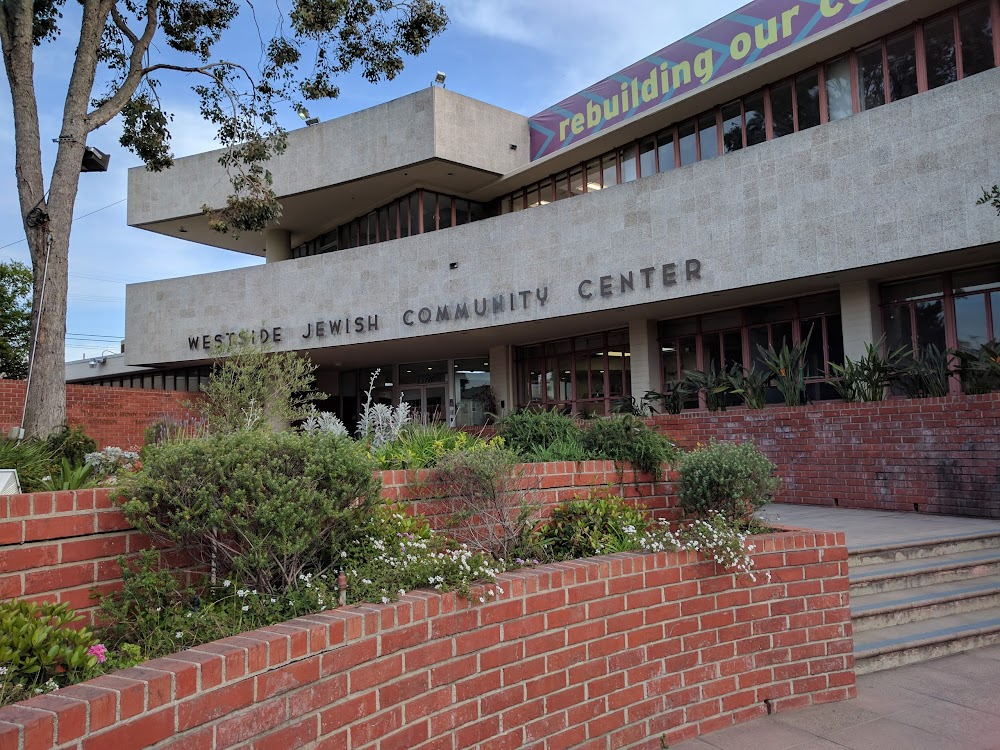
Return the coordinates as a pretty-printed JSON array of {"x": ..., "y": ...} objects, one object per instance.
[{"x": 793, "y": 170}]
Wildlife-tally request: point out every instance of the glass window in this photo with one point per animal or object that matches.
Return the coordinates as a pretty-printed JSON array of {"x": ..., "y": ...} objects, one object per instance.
[
  {"x": 593, "y": 175},
  {"x": 628, "y": 164},
  {"x": 609, "y": 169},
  {"x": 753, "y": 117},
  {"x": 939, "y": 44},
  {"x": 517, "y": 201},
  {"x": 807, "y": 99},
  {"x": 720, "y": 320},
  {"x": 686, "y": 138},
  {"x": 430, "y": 211},
  {"x": 732, "y": 127},
  {"x": 708, "y": 136},
  {"x": 771, "y": 313},
  {"x": 461, "y": 212},
  {"x": 871, "y": 77},
  {"x": 531, "y": 196},
  {"x": 576, "y": 181},
  {"x": 477, "y": 211},
  {"x": 901, "y": 53},
  {"x": 391, "y": 211},
  {"x": 976, "y": 280},
  {"x": 970, "y": 321},
  {"x": 839, "y": 101},
  {"x": 505, "y": 205},
  {"x": 562, "y": 186},
  {"x": 781, "y": 109},
  {"x": 665, "y": 150},
  {"x": 383, "y": 225},
  {"x": 929, "y": 316},
  {"x": 544, "y": 192},
  {"x": 917, "y": 289},
  {"x": 647, "y": 157},
  {"x": 444, "y": 211},
  {"x": 976, "y": 33}
]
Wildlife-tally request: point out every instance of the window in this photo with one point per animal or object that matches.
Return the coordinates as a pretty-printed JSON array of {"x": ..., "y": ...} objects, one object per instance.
[
  {"x": 939, "y": 46},
  {"x": 629, "y": 172},
  {"x": 976, "y": 34},
  {"x": 839, "y": 98},
  {"x": 562, "y": 185},
  {"x": 444, "y": 211},
  {"x": 430, "y": 211},
  {"x": 647, "y": 157},
  {"x": 977, "y": 307},
  {"x": 609, "y": 170},
  {"x": 871, "y": 77},
  {"x": 732, "y": 127},
  {"x": 576, "y": 181},
  {"x": 665, "y": 150},
  {"x": 753, "y": 118},
  {"x": 901, "y": 55},
  {"x": 782, "y": 117},
  {"x": 688, "y": 145},
  {"x": 913, "y": 314},
  {"x": 807, "y": 99},
  {"x": 593, "y": 175},
  {"x": 708, "y": 136}
]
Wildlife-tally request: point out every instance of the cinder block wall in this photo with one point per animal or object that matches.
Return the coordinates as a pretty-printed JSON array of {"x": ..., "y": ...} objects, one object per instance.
[
  {"x": 933, "y": 455},
  {"x": 614, "y": 651}
]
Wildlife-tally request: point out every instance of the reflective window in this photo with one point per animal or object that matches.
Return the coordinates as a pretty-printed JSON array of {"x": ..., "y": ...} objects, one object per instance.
[
  {"x": 688, "y": 145},
  {"x": 665, "y": 150},
  {"x": 839, "y": 100},
  {"x": 576, "y": 181},
  {"x": 562, "y": 186},
  {"x": 939, "y": 46},
  {"x": 444, "y": 211},
  {"x": 753, "y": 117},
  {"x": 609, "y": 170},
  {"x": 647, "y": 157},
  {"x": 781, "y": 109},
  {"x": 971, "y": 322},
  {"x": 629, "y": 172},
  {"x": 901, "y": 54},
  {"x": 430, "y": 211},
  {"x": 732, "y": 127},
  {"x": 708, "y": 136},
  {"x": 593, "y": 175},
  {"x": 807, "y": 99},
  {"x": 871, "y": 77},
  {"x": 976, "y": 34}
]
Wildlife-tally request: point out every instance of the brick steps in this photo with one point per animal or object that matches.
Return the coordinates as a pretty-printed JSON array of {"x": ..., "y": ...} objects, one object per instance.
[{"x": 924, "y": 599}]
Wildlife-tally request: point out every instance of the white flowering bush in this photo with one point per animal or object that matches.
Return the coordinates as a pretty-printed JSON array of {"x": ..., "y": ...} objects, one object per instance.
[
  {"x": 324, "y": 421},
  {"x": 714, "y": 537},
  {"x": 108, "y": 463}
]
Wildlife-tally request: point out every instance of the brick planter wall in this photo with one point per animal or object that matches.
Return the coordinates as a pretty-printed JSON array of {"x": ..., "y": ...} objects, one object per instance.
[
  {"x": 112, "y": 416},
  {"x": 605, "y": 652},
  {"x": 936, "y": 455}
]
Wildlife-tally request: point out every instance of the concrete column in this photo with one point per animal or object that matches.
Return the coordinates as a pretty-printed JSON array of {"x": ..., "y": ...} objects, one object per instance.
[
  {"x": 502, "y": 379},
  {"x": 860, "y": 317},
  {"x": 645, "y": 351},
  {"x": 277, "y": 245}
]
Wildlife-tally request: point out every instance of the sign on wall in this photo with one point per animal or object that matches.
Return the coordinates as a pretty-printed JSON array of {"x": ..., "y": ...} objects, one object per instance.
[{"x": 752, "y": 33}]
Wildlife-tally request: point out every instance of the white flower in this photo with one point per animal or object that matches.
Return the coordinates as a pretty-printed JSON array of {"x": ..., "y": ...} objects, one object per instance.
[
  {"x": 227, "y": 583},
  {"x": 343, "y": 554},
  {"x": 246, "y": 607},
  {"x": 3, "y": 670},
  {"x": 178, "y": 635},
  {"x": 189, "y": 614},
  {"x": 273, "y": 600}
]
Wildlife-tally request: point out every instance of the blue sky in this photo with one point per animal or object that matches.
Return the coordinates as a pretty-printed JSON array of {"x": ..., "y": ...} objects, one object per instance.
[{"x": 523, "y": 55}]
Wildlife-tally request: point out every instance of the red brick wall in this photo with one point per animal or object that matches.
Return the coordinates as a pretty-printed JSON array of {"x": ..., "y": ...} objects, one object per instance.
[
  {"x": 606, "y": 652},
  {"x": 936, "y": 455},
  {"x": 112, "y": 416}
]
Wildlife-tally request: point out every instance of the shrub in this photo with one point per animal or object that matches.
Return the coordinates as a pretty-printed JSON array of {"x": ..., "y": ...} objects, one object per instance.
[
  {"x": 596, "y": 525},
  {"x": 627, "y": 439},
  {"x": 732, "y": 479},
  {"x": 71, "y": 443},
  {"x": 111, "y": 462},
  {"x": 980, "y": 370},
  {"x": 324, "y": 421},
  {"x": 40, "y": 650},
  {"x": 379, "y": 423},
  {"x": 485, "y": 497},
  {"x": 66, "y": 477},
  {"x": 422, "y": 446},
  {"x": 787, "y": 368},
  {"x": 869, "y": 377},
  {"x": 251, "y": 388},
  {"x": 532, "y": 434},
  {"x": 671, "y": 399},
  {"x": 262, "y": 508},
  {"x": 749, "y": 384},
  {"x": 926, "y": 375},
  {"x": 170, "y": 428},
  {"x": 31, "y": 458},
  {"x": 713, "y": 383}
]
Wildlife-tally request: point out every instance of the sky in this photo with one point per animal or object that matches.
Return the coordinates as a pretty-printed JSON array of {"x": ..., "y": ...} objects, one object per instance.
[{"x": 522, "y": 55}]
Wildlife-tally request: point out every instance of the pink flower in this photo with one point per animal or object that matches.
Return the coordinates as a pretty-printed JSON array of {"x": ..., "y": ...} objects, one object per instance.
[{"x": 99, "y": 651}]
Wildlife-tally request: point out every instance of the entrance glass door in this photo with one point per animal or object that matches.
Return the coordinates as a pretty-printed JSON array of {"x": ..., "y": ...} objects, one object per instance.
[{"x": 427, "y": 403}]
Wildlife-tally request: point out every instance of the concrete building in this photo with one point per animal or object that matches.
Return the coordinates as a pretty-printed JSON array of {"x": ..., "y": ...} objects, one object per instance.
[{"x": 793, "y": 167}]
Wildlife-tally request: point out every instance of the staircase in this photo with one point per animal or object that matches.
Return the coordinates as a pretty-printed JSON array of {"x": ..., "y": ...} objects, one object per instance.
[{"x": 915, "y": 601}]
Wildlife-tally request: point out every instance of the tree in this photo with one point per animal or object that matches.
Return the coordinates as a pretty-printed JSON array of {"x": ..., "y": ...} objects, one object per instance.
[
  {"x": 124, "y": 48},
  {"x": 991, "y": 197},
  {"x": 15, "y": 320}
]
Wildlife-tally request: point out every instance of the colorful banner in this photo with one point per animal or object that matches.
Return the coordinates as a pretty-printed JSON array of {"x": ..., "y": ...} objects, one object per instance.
[{"x": 755, "y": 31}]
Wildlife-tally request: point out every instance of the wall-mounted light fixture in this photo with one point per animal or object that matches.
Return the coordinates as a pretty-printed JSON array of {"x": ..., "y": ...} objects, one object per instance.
[
  {"x": 102, "y": 360},
  {"x": 439, "y": 79},
  {"x": 306, "y": 117}
]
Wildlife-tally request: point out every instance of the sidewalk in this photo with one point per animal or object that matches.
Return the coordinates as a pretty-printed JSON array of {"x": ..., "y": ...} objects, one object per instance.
[{"x": 952, "y": 703}]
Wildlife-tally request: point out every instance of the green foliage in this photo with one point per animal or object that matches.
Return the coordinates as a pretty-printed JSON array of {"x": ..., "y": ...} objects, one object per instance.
[
  {"x": 991, "y": 197},
  {"x": 262, "y": 508},
  {"x": 394, "y": 553},
  {"x": 626, "y": 439},
  {"x": 158, "y": 614},
  {"x": 15, "y": 319},
  {"x": 750, "y": 385},
  {"x": 421, "y": 446},
  {"x": 600, "y": 524},
  {"x": 980, "y": 370},
  {"x": 672, "y": 398},
  {"x": 251, "y": 388},
  {"x": 65, "y": 476},
  {"x": 484, "y": 494},
  {"x": 534, "y": 433},
  {"x": 570, "y": 449},
  {"x": 31, "y": 458},
  {"x": 171, "y": 428},
  {"x": 73, "y": 444},
  {"x": 926, "y": 375},
  {"x": 868, "y": 378},
  {"x": 729, "y": 478},
  {"x": 712, "y": 382},
  {"x": 38, "y": 645},
  {"x": 787, "y": 369}
]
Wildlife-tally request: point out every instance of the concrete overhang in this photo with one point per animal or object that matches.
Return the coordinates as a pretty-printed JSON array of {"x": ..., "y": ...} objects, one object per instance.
[{"x": 335, "y": 171}]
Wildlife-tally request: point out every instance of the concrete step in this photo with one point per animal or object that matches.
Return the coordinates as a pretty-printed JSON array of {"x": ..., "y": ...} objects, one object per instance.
[
  {"x": 906, "y": 574},
  {"x": 884, "y": 648},
  {"x": 924, "y": 546},
  {"x": 888, "y": 608}
]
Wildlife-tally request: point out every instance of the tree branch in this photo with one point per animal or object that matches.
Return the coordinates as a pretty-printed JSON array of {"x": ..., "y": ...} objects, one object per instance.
[{"x": 122, "y": 26}]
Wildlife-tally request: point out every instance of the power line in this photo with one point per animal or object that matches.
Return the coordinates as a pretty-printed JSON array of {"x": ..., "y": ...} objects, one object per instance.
[{"x": 75, "y": 218}]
